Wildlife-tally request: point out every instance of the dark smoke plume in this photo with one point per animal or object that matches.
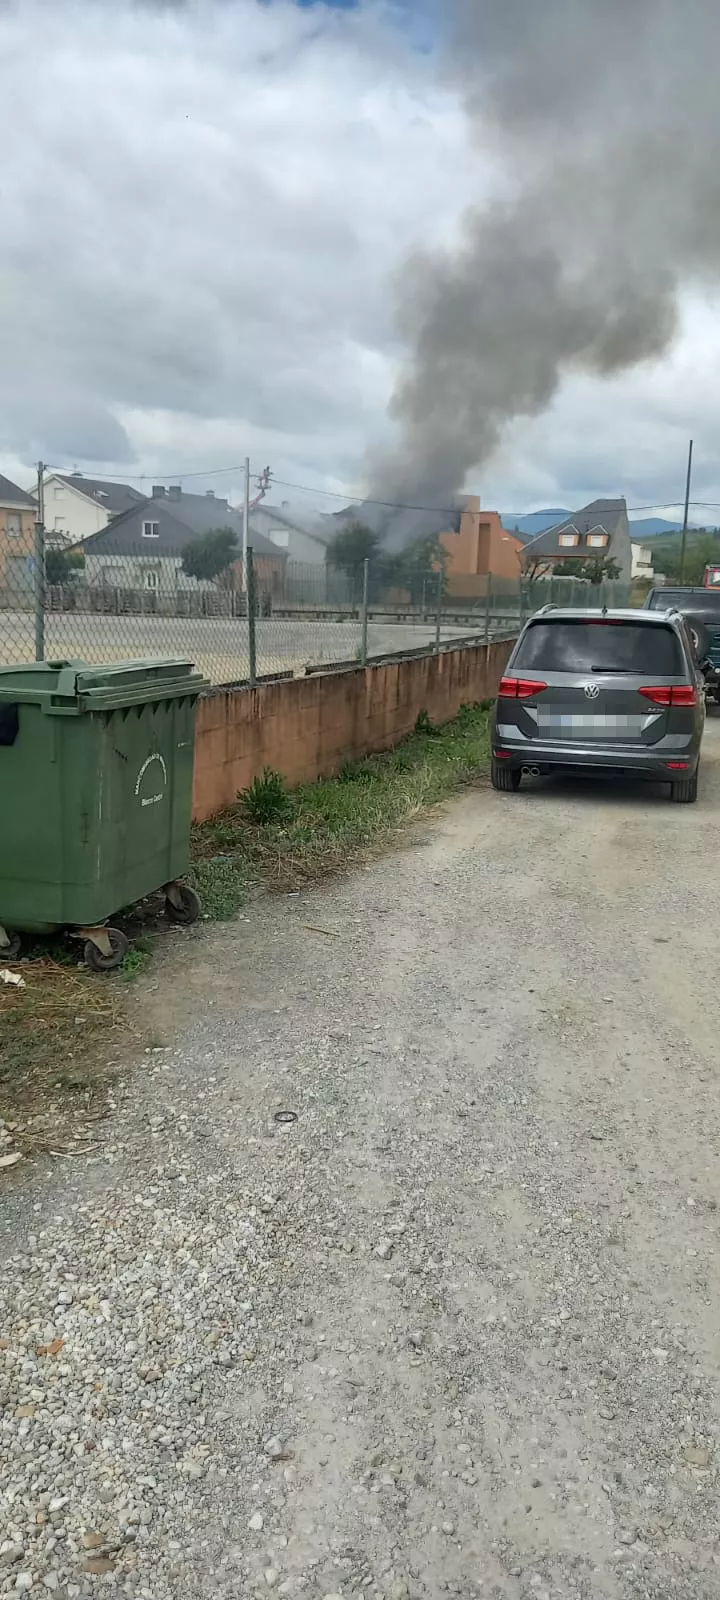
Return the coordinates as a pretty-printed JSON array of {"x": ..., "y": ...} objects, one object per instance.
[{"x": 605, "y": 116}]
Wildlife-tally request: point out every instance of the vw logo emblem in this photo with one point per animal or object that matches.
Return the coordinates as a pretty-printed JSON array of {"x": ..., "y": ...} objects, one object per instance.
[{"x": 592, "y": 690}]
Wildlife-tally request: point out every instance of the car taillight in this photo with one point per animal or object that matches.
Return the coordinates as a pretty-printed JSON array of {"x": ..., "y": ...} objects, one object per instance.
[
  {"x": 683, "y": 694},
  {"x": 520, "y": 688}
]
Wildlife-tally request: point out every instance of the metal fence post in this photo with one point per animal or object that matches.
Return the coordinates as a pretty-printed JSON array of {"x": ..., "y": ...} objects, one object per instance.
[
  {"x": 488, "y": 607},
  {"x": 251, "y": 612},
  {"x": 364, "y": 614},
  {"x": 438, "y": 618},
  {"x": 40, "y": 567}
]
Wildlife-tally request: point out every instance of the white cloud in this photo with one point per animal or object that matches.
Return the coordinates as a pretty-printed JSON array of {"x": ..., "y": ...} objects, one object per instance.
[
  {"x": 203, "y": 211},
  {"x": 200, "y": 223}
]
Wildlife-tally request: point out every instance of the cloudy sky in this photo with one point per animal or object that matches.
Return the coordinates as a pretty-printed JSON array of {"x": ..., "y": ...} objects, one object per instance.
[{"x": 205, "y": 211}]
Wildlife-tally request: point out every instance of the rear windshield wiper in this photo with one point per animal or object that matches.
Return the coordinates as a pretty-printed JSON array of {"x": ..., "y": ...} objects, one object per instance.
[{"x": 634, "y": 672}]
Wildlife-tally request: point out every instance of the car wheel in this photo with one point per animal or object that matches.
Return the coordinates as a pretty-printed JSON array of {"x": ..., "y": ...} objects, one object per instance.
[
  {"x": 506, "y": 779},
  {"x": 685, "y": 790}
]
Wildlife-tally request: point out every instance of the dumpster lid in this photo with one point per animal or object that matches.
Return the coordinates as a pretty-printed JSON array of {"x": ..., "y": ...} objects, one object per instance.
[{"x": 68, "y": 688}]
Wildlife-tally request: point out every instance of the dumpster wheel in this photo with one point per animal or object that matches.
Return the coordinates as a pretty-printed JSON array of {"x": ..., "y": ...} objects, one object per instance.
[
  {"x": 182, "y": 904},
  {"x": 10, "y": 947},
  {"x": 105, "y": 949}
]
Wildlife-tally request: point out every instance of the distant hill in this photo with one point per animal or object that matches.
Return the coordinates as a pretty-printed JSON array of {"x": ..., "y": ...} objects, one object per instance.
[
  {"x": 535, "y": 523},
  {"x": 653, "y": 527}
]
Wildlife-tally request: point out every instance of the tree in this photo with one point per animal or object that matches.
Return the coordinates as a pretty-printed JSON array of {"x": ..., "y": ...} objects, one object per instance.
[
  {"x": 594, "y": 571},
  {"x": 426, "y": 555},
  {"x": 205, "y": 558},
  {"x": 63, "y": 566},
  {"x": 703, "y": 549},
  {"x": 418, "y": 569},
  {"x": 600, "y": 568},
  {"x": 353, "y": 545}
]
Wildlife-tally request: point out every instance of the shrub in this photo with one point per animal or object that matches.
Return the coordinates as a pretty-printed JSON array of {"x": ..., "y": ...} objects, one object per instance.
[{"x": 267, "y": 799}]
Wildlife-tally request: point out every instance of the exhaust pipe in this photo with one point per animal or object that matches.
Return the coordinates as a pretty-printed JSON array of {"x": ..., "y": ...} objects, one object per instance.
[{"x": 531, "y": 772}]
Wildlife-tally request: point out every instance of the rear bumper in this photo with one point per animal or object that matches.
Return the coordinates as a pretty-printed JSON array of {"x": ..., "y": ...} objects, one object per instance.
[{"x": 610, "y": 759}]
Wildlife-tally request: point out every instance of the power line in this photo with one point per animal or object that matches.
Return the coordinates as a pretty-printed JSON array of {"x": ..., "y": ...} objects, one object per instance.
[
  {"x": 162, "y": 473},
  {"x": 145, "y": 477},
  {"x": 674, "y": 505},
  {"x": 385, "y": 505},
  {"x": 347, "y": 496}
]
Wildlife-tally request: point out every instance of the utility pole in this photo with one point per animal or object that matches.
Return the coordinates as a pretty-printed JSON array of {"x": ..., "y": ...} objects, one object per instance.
[
  {"x": 683, "y": 547},
  {"x": 246, "y": 525},
  {"x": 40, "y": 565}
]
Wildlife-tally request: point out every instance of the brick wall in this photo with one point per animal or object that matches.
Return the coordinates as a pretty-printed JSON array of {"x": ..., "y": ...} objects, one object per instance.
[{"x": 306, "y": 727}]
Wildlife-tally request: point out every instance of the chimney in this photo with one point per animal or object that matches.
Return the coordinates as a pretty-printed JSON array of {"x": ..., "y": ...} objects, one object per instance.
[
  {"x": 174, "y": 492},
  {"x": 158, "y": 491},
  {"x": 210, "y": 494}
]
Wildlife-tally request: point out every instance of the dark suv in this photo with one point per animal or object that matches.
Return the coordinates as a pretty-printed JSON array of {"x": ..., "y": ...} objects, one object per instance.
[
  {"x": 611, "y": 692},
  {"x": 701, "y": 610}
]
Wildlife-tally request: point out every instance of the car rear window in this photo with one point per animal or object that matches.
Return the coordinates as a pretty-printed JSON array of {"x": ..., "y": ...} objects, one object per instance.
[
  {"x": 576, "y": 646},
  {"x": 688, "y": 601}
]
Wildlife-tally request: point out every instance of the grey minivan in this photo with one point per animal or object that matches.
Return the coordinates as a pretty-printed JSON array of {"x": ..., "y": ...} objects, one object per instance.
[{"x": 606, "y": 692}]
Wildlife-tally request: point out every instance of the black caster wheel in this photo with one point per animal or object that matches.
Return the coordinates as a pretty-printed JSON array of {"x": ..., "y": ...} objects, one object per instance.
[
  {"x": 119, "y": 946},
  {"x": 186, "y": 907}
]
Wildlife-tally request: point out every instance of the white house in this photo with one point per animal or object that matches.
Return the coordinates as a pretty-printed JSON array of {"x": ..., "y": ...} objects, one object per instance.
[
  {"x": 76, "y": 506},
  {"x": 642, "y": 561},
  {"x": 302, "y": 536}
]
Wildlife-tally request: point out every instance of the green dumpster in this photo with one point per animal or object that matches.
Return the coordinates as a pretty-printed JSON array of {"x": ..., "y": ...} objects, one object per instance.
[{"x": 96, "y": 768}]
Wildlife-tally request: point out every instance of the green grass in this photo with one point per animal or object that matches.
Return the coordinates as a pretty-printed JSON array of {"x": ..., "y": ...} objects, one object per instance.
[
  {"x": 221, "y": 882},
  {"x": 138, "y": 957},
  {"x": 328, "y": 825},
  {"x": 267, "y": 798}
]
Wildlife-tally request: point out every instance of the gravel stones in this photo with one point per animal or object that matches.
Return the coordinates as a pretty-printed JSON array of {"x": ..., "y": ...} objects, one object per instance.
[{"x": 239, "y": 1395}]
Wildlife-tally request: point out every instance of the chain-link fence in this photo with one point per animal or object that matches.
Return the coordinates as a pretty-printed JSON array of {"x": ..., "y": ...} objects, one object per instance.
[{"x": 281, "y": 617}]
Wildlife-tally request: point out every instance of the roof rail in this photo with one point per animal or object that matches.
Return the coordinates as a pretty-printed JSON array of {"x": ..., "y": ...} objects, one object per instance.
[{"x": 544, "y": 610}]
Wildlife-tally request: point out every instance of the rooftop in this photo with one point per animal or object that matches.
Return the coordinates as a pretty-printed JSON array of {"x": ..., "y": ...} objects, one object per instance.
[
  {"x": 11, "y": 495},
  {"x": 114, "y": 497}
]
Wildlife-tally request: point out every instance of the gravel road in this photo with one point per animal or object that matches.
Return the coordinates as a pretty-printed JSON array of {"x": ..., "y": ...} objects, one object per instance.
[{"x": 453, "y": 1326}]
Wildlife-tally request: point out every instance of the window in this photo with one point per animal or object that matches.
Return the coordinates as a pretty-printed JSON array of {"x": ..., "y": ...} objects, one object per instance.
[
  {"x": 59, "y": 524},
  {"x": 692, "y": 601},
  {"x": 152, "y": 578},
  {"x": 280, "y": 537},
  {"x": 13, "y": 524},
  {"x": 570, "y": 646},
  {"x": 567, "y": 541},
  {"x": 597, "y": 541},
  {"x": 151, "y": 530},
  {"x": 58, "y": 492}
]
